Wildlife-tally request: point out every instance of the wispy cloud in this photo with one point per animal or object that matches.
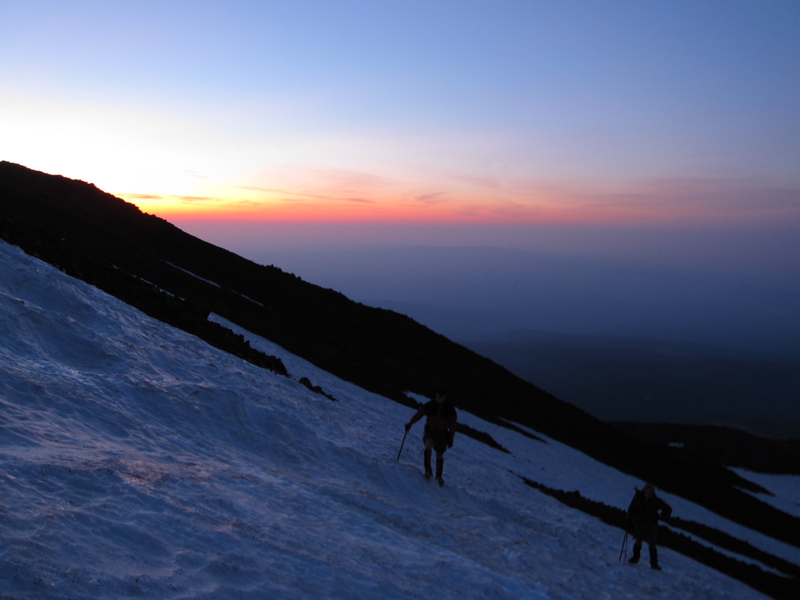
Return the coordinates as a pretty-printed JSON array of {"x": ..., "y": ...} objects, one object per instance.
[
  {"x": 173, "y": 198},
  {"x": 430, "y": 198},
  {"x": 337, "y": 194}
]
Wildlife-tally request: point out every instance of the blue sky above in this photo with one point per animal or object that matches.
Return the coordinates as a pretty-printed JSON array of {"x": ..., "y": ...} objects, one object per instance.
[{"x": 414, "y": 111}]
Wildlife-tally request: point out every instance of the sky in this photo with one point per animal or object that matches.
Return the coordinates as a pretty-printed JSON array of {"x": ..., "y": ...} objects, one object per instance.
[
  {"x": 412, "y": 115},
  {"x": 138, "y": 461}
]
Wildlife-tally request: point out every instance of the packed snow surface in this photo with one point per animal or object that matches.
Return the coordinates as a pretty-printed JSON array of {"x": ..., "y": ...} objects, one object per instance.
[{"x": 137, "y": 461}]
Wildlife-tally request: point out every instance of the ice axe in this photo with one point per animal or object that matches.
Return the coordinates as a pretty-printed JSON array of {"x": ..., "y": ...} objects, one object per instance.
[{"x": 402, "y": 444}]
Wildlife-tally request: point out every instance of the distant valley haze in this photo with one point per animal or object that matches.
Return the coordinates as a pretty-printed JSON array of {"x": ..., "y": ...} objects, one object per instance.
[{"x": 700, "y": 328}]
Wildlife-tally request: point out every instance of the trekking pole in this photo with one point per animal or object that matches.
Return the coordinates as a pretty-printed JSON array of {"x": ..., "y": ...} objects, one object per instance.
[
  {"x": 401, "y": 446},
  {"x": 624, "y": 544}
]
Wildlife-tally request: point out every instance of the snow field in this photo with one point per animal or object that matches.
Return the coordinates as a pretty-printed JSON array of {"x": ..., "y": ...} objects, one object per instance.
[{"x": 138, "y": 461}]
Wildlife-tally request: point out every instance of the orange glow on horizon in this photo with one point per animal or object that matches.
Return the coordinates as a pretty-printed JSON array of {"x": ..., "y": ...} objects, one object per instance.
[
  {"x": 649, "y": 202},
  {"x": 380, "y": 213}
]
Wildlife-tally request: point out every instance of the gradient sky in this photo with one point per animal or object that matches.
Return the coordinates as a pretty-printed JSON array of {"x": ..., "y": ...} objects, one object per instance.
[{"x": 610, "y": 112}]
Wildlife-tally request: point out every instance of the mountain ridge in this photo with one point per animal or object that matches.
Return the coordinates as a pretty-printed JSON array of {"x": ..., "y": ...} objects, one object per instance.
[{"x": 637, "y": 379}]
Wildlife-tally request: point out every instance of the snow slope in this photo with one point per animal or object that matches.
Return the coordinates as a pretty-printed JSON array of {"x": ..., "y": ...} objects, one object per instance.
[{"x": 138, "y": 461}]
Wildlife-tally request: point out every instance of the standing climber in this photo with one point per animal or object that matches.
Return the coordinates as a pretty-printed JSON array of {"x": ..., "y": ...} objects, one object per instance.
[
  {"x": 440, "y": 429},
  {"x": 644, "y": 513}
]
